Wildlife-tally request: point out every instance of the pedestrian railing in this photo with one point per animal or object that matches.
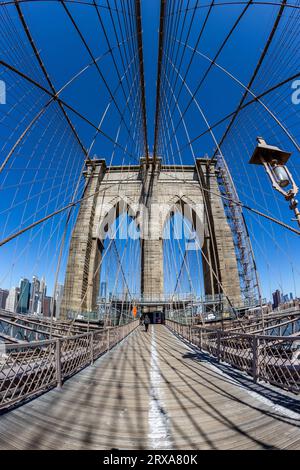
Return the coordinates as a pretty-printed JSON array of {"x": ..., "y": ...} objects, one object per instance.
[
  {"x": 32, "y": 368},
  {"x": 274, "y": 324},
  {"x": 29, "y": 328},
  {"x": 273, "y": 359}
]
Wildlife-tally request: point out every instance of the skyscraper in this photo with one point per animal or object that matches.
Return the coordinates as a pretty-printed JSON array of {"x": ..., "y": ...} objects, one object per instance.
[
  {"x": 58, "y": 295},
  {"x": 3, "y": 296},
  {"x": 46, "y": 307},
  {"x": 103, "y": 290},
  {"x": 276, "y": 298},
  {"x": 24, "y": 297},
  {"x": 42, "y": 295},
  {"x": 34, "y": 295},
  {"x": 12, "y": 299},
  {"x": 43, "y": 288},
  {"x": 286, "y": 298}
]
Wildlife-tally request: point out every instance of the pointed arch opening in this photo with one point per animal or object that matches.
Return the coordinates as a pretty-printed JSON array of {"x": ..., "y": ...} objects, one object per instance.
[{"x": 119, "y": 284}]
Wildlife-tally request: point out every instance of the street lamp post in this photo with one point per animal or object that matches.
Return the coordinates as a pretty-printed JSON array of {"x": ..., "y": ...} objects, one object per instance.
[{"x": 274, "y": 161}]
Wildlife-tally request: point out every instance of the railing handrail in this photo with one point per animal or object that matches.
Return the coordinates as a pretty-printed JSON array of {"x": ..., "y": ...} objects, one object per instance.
[
  {"x": 70, "y": 337},
  {"x": 259, "y": 355},
  {"x": 270, "y": 319},
  {"x": 32, "y": 344},
  {"x": 236, "y": 333},
  {"x": 25, "y": 327},
  {"x": 64, "y": 358}
]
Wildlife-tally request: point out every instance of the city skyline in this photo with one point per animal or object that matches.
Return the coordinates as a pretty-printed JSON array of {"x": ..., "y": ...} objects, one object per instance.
[
  {"x": 31, "y": 298},
  {"x": 106, "y": 292}
]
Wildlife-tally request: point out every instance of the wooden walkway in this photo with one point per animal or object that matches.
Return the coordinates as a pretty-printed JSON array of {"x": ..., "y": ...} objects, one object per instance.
[{"x": 154, "y": 392}]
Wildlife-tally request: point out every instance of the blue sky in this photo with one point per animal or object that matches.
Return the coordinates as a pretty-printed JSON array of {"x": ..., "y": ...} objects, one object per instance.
[{"x": 54, "y": 161}]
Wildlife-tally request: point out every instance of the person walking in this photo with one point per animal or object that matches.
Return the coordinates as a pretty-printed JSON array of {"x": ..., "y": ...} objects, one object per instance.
[{"x": 146, "y": 322}]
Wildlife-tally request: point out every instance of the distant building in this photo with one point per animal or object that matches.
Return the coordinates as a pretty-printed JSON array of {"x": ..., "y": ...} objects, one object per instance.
[
  {"x": 43, "y": 291},
  {"x": 34, "y": 295},
  {"x": 46, "y": 307},
  {"x": 103, "y": 290},
  {"x": 39, "y": 307},
  {"x": 12, "y": 299},
  {"x": 58, "y": 295},
  {"x": 3, "y": 296},
  {"x": 276, "y": 298},
  {"x": 291, "y": 296},
  {"x": 286, "y": 298},
  {"x": 24, "y": 297}
]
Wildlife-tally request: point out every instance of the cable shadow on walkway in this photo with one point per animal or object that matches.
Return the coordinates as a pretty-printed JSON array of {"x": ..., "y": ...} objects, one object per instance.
[{"x": 216, "y": 414}]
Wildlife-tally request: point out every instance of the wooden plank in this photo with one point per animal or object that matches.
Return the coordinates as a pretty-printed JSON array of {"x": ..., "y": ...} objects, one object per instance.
[{"x": 110, "y": 405}]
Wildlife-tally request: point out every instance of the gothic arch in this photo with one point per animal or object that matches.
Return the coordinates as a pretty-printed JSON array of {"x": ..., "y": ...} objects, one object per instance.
[
  {"x": 168, "y": 188},
  {"x": 111, "y": 210},
  {"x": 189, "y": 210}
]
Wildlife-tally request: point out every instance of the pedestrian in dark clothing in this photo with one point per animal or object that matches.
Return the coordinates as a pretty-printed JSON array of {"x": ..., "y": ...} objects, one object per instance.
[{"x": 146, "y": 322}]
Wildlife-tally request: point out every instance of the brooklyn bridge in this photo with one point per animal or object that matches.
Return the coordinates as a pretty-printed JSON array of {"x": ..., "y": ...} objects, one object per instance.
[{"x": 149, "y": 273}]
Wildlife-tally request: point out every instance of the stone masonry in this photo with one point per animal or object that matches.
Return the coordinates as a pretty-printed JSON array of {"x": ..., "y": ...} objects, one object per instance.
[{"x": 149, "y": 192}]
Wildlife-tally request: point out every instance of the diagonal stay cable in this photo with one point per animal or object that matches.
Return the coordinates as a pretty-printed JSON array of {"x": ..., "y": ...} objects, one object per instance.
[
  {"x": 245, "y": 105},
  {"x": 104, "y": 80},
  {"x": 75, "y": 203},
  {"x": 197, "y": 44},
  {"x": 180, "y": 10},
  {"x": 104, "y": 114},
  {"x": 200, "y": 35},
  {"x": 121, "y": 265},
  {"x": 76, "y": 2},
  {"x": 142, "y": 73},
  {"x": 158, "y": 86},
  {"x": 53, "y": 99},
  {"x": 43, "y": 68},
  {"x": 66, "y": 105},
  {"x": 257, "y": 99},
  {"x": 140, "y": 54},
  {"x": 213, "y": 61},
  {"x": 256, "y": 71},
  {"x": 173, "y": 28}
]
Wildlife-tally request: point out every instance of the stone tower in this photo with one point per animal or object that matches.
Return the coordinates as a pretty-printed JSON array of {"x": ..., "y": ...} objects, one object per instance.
[{"x": 149, "y": 192}]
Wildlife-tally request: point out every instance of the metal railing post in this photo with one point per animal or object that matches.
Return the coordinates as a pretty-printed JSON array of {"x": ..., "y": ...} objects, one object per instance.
[
  {"x": 219, "y": 345},
  {"x": 108, "y": 339},
  {"x": 200, "y": 338},
  {"x": 58, "y": 363},
  {"x": 255, "y": 370},
  {"x": 92, "y": 348}
]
